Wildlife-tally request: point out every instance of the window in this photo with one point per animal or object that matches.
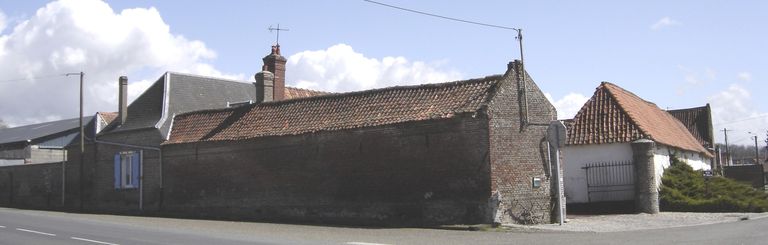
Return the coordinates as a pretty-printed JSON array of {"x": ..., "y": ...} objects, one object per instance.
[{"x": 127, "y": 169}]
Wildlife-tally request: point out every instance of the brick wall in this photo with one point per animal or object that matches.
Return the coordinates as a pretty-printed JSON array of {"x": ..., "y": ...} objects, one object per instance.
[
  {"x": 519, "y": 152},
  {"x": 101, "y": 194},
  {"x": 748, "y": 174},
  {"x": 34, "y": 186},
  {"x": 431, "y": 172}
]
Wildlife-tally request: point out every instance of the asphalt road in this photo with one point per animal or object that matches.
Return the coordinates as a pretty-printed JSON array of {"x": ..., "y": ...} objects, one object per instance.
[{"x": 39, "y": 227}]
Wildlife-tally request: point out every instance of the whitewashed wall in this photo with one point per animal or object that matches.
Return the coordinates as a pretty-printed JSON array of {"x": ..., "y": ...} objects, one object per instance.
[
  {"x": 11, "y": 162},
  {"x": 661, "y": 159},
  {"x": 577, "y": 156}
]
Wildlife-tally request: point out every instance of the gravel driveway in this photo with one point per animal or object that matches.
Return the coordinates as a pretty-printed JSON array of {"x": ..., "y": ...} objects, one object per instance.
[{"x": 628, "y": 222}]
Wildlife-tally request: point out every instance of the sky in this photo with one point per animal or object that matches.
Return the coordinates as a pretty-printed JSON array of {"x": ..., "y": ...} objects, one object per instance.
[{"x": 677, "y": 54}]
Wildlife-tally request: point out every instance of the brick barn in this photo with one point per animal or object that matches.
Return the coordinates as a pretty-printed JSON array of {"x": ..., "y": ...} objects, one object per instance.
[{"x": 469, "y": 151}]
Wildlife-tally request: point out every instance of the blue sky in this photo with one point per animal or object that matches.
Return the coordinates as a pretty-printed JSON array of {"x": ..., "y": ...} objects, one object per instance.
[{"x": 676, "y": 54}]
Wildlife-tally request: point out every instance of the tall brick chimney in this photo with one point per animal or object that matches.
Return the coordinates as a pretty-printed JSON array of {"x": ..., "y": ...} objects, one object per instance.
[
  {"x": 122, "y": 101},
  {"x": 275, "y": 63}
]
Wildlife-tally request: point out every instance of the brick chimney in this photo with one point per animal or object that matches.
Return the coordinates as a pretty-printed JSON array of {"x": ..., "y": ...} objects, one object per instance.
[
  {"x": 275, "y": 63},
  {"x": 264, "y": 86},
  {"x": 122, "y": 101}
]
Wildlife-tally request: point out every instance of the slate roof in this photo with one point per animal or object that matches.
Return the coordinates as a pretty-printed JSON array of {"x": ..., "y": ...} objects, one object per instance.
[
  {"x": 698, "y": 121},
  {"x": 40, "y": 130},
  {"x": 335, "y": 111},
  {"x": 615, "y": 115},
  {"x": 177, "y": 93}
]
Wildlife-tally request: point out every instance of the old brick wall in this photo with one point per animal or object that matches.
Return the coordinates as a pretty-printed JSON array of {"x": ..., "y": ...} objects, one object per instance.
[
  {"x": 100, "y": 193},
  {"x": 519, "y": 152},
  {"x": 748, "y": 174},
  {"x": 33, "y": 186},
  {"x": 430, "y": 172}
]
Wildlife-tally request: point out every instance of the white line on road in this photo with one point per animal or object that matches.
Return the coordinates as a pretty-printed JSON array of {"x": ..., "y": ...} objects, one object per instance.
[
  {"x": 93, "y": 241},
  {"x": 36, "y": 232},
  {"x": 365, "y": 243},
  {"x": 2, "y": 226}
]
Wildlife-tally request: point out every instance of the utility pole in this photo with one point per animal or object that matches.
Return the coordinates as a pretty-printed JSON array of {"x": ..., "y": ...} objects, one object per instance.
[
  {"x": 727, "y": 151},
  {"x": 757, "y": 152},
  {"x": 82, "y": 138}
]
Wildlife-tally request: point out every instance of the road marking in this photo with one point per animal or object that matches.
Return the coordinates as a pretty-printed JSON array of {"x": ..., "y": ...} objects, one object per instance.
[
  {"x": 365, "y": 243},
  {"x": 93, "y": 241},
  {"x": 2, "y": 226},
  {"x": 36, "y": 232}
]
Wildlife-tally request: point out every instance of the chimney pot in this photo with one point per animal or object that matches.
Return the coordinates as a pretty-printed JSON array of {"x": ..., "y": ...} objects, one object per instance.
[
  {"x": 264, "y": 86},
  {"x": 122, "y": 110}
]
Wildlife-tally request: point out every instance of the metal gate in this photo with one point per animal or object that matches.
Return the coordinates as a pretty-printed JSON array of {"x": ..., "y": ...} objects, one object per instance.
[{"x": 610, "y": 181}]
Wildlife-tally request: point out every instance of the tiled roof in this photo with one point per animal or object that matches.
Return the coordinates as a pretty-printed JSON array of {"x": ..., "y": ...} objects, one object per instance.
[
  {"x": 295, "y": 93},
  {"x": 108, "y": 116},
  {"x": 334, "y": 111},
  {"x": 183, "y": 93},
  {"x": 615, "y": 115},
  {"x": 698, "y": 121}
]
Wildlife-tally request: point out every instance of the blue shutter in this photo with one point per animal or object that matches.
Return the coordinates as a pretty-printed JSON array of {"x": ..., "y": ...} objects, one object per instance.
[
  {"x": 117, "y": 171},
  {"x": 135, "y": 168}
]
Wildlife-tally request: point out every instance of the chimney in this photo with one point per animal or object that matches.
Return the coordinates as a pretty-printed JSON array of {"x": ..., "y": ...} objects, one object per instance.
[
  {"x": 264, "y": 86},
  {"x": 275, "y": 63},
  {"x": 122, "y": 101}
]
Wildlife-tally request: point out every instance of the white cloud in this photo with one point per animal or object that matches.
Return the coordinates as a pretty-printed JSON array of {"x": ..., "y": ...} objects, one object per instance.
[
  {"x": 694, "y": 79},
  {"x": 340, "y": 68},
  {"x": 733, "y": 109},
  {"x": 569, "y": 105},
  {"x": 664, "y": 22},
  {"x": 744, "y": 76},
  {"x": 73, "y": 35}
]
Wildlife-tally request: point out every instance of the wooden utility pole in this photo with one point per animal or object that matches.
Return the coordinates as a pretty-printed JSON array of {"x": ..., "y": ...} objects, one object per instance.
[
  {"x": 727, "y": 150},
  {"x": 82, "y": 142},
  {"x": 757, "y": 152}
]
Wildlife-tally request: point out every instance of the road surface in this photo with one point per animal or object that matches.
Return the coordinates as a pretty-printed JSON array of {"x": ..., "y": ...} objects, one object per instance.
[{"x": 40, "y": 227}]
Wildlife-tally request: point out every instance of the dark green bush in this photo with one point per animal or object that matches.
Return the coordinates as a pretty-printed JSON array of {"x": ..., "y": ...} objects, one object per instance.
[{"x": 685, "y": 190}]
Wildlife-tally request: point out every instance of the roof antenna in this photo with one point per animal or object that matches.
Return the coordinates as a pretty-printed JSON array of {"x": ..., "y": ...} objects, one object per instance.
[{"x": 278, "y": 29}]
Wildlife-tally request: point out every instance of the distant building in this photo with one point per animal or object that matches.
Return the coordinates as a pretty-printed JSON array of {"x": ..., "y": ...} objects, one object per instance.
[{"x": 45, "y": 142}]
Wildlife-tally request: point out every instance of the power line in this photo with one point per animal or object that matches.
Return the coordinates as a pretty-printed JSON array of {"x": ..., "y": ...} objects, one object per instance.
[
  {"x": 442, "y": 17},
  {"x": 744, "y": 119},
  {"x": 32, "y": 78}
]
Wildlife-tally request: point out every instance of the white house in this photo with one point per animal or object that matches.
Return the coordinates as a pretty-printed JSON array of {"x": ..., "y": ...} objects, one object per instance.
[{"x": 600, "y": 161}]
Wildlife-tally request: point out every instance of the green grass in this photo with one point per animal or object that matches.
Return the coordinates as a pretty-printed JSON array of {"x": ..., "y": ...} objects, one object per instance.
[{"x": 685, "y": 190}]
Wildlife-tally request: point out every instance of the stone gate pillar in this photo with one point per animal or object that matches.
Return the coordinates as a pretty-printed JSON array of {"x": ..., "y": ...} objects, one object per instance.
[{"x": 646, "y": 189}]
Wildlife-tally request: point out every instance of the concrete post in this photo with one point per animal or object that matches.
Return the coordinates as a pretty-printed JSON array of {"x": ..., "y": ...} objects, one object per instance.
[{"x": 646, "y": 189}]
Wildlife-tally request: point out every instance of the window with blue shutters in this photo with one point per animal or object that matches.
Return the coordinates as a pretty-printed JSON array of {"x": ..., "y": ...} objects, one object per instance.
[{"x": 127, "y": 166}]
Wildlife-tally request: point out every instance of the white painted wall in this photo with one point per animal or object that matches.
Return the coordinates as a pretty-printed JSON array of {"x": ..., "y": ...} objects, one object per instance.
[
  {"x": 577, "y": 156},
  {"x": 661, "y": 159},
  {"x": 11, "y": 162}
]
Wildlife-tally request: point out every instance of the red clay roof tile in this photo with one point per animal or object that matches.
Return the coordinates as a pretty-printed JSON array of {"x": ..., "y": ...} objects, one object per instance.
[
  {"x": 334, "y": 111},
  {"x": 615, "y": 115}
]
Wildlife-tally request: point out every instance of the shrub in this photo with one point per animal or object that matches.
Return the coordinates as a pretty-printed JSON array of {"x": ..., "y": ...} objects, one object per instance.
[{"x": 684, "y": 189}]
